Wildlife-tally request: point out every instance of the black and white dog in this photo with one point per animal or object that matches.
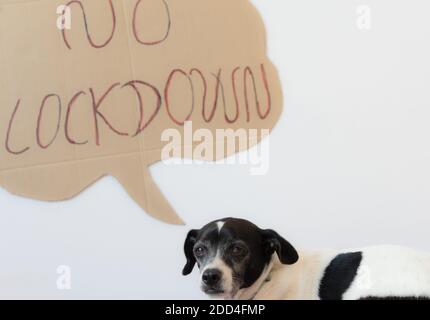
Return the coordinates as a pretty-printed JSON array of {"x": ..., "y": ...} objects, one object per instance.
[{"x": 238, "y": 260}]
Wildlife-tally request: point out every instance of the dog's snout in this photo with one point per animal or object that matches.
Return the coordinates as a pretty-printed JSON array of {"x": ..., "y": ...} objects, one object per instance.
[{"x": 211, "y": 277}]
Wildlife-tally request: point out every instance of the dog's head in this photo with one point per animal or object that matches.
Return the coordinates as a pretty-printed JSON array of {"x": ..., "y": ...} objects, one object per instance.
[{"x": 232, "y": 254}]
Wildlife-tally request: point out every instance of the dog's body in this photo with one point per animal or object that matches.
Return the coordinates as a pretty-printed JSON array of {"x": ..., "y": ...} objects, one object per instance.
[
  {"x": 383, "y": 272},
  {"x": 240, "y": 261}
]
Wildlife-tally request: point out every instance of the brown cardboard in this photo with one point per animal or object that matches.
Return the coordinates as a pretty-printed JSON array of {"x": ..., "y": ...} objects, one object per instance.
[{"x": 54, "y": 150}]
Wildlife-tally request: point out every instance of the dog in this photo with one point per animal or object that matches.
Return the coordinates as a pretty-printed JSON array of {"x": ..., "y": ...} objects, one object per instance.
[{"x": 240, "y": 261}]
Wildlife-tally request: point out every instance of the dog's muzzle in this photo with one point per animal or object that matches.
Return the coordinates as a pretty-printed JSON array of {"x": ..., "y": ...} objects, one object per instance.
[{"x": 212, "y": 281}]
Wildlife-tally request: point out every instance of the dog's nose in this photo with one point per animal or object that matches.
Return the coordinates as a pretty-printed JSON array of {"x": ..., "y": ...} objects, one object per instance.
[{"x": 211, "y": 277}]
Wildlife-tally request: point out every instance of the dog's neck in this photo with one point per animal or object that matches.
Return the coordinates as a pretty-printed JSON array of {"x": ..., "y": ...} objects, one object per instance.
[
  {"x": 279, "y": 281},
  {"x": 250, "y": 292}
]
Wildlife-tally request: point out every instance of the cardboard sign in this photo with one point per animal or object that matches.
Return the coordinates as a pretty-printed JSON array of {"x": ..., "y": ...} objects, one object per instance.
[{"x": 88, "y": 87}]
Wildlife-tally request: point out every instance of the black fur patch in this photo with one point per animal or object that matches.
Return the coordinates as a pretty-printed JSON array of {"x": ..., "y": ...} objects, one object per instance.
[{"x": 339, "y": 275}]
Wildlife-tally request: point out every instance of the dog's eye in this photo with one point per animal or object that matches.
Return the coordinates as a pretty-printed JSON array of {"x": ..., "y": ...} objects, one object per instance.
[
  {"x": 238, "y": 250},
  {"x": 200, "y": 251}
]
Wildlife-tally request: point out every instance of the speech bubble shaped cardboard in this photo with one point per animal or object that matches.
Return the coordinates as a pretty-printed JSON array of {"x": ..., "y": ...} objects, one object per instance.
[{"x": 88, "y": 87}]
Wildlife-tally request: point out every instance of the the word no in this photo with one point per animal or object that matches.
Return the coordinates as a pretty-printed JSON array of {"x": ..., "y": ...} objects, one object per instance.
[{"x": 64, "y": 23}]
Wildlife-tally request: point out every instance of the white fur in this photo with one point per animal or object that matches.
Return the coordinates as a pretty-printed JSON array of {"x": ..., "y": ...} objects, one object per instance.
[
  {"x": 384, "y": 271},
  {"x": 220, "y": 224},
  {"x": 391, "y": 271}
]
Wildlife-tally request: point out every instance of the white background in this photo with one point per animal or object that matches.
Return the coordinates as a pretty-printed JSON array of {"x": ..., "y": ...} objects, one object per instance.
[{"x": 350, "y": 161}]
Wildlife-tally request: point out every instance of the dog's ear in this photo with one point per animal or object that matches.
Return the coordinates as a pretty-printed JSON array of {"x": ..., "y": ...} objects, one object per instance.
[
  {"x": 189, "y": 254},
  {"x": 273, "y": 242}
]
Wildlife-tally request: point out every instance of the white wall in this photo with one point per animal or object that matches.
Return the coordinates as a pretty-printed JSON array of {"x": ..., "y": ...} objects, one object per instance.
[{"x": 350, "y": 165}]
